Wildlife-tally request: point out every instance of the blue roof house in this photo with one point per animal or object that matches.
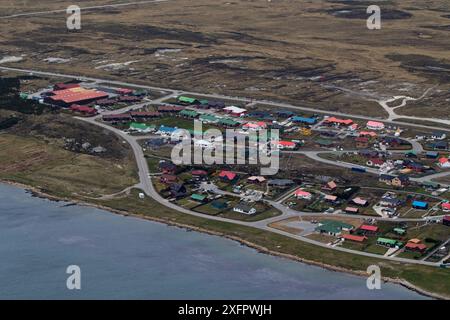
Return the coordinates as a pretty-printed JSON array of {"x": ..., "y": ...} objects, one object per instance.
[
  {"x": 420, "y": 205},
  {"x": 304, "y": 120}
]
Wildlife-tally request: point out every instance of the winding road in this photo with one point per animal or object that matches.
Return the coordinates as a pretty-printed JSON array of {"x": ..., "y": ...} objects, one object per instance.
[{"x": 148, "y": 188}]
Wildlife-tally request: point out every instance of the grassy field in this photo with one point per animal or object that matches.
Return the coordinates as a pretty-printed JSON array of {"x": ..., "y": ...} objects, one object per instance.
[{"x": 62, "y": 173}]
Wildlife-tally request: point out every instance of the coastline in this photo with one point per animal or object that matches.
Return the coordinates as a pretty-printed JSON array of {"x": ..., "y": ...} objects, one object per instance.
[{"x": 261, "y": 249}]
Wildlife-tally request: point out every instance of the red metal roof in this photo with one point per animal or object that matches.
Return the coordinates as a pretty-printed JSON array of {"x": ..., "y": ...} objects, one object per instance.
[
  {"x": 339, "y": 121},
  {"x": 74, "y": 95},
  {"x": 369, "y": 228},
  {"x": 419, "y": 246},
  {"x": 227, "y": 174},
  {"x": 354, "y": 238}
]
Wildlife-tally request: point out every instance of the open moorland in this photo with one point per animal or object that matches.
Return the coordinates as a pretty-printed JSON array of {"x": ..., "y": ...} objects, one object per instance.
[{"x": 322, "y": 54}]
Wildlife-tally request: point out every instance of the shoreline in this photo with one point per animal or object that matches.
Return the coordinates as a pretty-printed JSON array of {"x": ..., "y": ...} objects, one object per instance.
[{"x": 35, "y": 192}]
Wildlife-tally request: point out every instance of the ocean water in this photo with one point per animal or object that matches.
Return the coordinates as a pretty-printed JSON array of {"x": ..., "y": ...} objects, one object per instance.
[{"x": 128, "y": 258}]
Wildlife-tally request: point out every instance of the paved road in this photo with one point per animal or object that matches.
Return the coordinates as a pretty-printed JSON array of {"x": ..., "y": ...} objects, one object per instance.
[
  {"x": 219, "y": 96},
  {"x": 147, "y": 186}
]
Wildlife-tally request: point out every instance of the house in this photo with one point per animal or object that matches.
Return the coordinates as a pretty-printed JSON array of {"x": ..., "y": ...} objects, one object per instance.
[
  {"x": 375, "y": 125},
  {"x": 330, "y": 186},
  {"x": 375, "y": 162},
  {"x": 368, "y": 229},
  {"x": 199, "y": 173},
  {"x": 280, "y": 183},
  {"x": 395, "y": 181},
  {"x": 445, "y": 206},
  {"x": 235, "y": 111},
  {"x": 216, "y": 104},
  {"x": 129, "y": 99},
  {"x": 187, "y": 100},
  {"x": 354, "y": 238},
  {"x": 330, "y": 198},
  {"x": 208, "y": 118},
  {"x": 190, "y": 114},
  {"x": 444, "y": 163},
  {"x": 256, "y": 179},
  {"x": 141, "y": 127},
  {"x": 228, "y": 176},
  {"x": 198, "y": 197},
  {"x": 338, "y": 122},
  {"x": 362, "y": 142},
  {"x": 440, "y": 145},
  {"x": 421, "y": 205},
  {"x": 446, "y": 221},
  {"x": 324, "y": 143},
  {"x": 245, "y": 209},
  {"x": 333, "y": 227},
  {"x": 360, "y": 201},
  {"x": 400, "y": 231},
  {"x": 304, "y": 120},
  {"x": 390, "y": 202},
  {"x": 352, "y": 210},
  {"x": 369, "y": 153},
  {"x": 83, "y": 109},
  {"x": 178, "y": 190},
  {"x": 391, "y": 243},
  {"x": 145, "y": 114},
  {"x": 166, "y": 131},
  {"x": 432, "y": 154},
  {"x": 301, "y": 194},
  {"x": 415, "y": 247},
  {"x": 219, "y": 205},
  {"x": 368, "y": 134},
  {"x": 284, "y": 145},
  {"x": 255, "y": 126},
  {"x": 285, "y": 114},
  {"x": 167, "y": 167},
  {"x": 123, "y": 91},
  {"x": 225, "y": 122},
  {"x": 168, "y": 179},
  {"x": 122, "y": 117},
  {"x": 170, "y": 109},
  {"x": 438, "y": 135}
]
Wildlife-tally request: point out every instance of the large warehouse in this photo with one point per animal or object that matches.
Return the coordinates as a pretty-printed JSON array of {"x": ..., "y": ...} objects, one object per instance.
[{"x": 77, "y": 95}]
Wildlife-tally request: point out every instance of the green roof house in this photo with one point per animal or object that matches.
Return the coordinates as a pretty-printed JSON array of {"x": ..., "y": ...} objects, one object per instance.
[
  {"x": 400, "y": 231},
  {"x": 228, "y": 122},
  {"x": 189, "y": 114},
  {"x": 333, "y": 228},
  {"x": 141, "y": 127},
  {"x": 187, "y": 100},
  {"x": 209, "y": 118},
  {"x": 391, "y": 243},
  {"x": 198, "y": 197}
]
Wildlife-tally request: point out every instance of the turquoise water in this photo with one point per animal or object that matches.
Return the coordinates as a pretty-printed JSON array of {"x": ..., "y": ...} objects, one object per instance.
[{"x": 128, "y": 258}]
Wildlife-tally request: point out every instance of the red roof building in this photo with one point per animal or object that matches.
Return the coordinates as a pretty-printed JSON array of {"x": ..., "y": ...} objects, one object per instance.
[
  {"x": 330, "y": 186},
  {"x": 354, "y": 238},
  {"x": 351, "y": 210},
  {"x": 446, "y": 220},
  {"x": 369, "y": 228},
  {"x": 83, "y": 109},
  {"x": 227, "y": 175},
  {"x": 337, "y": 121},
  {"x": 420, "y": 247},
  {"x": 76, "y": 95},
  {"x": 199, "y": 173}
]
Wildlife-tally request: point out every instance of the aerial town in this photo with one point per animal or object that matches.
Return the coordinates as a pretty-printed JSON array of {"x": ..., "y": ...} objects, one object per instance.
[{"x": 401, "y": 213}]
